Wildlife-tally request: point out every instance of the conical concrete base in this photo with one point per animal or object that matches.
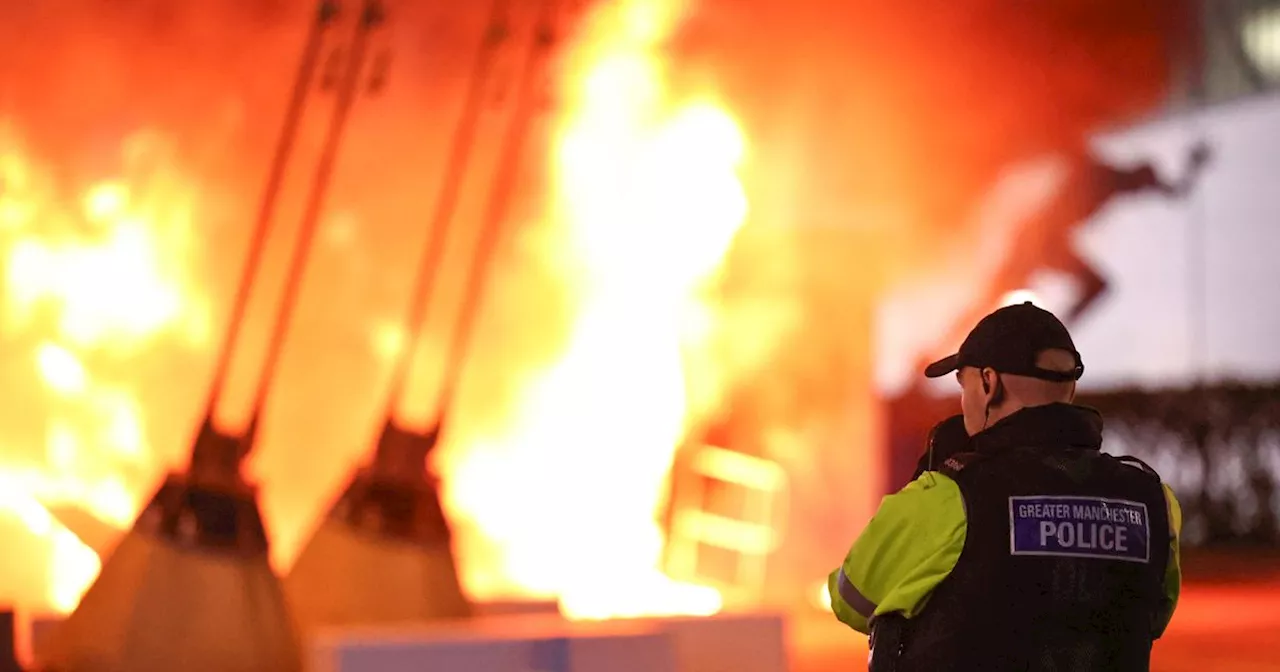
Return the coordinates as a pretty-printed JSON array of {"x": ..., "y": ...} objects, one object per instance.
[
  {"x": 189, "y": 588},
  {"x": 384, "y": 554}
]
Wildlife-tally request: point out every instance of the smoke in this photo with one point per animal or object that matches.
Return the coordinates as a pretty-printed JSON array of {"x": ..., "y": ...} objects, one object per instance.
[{"x": 876, "y": 129}]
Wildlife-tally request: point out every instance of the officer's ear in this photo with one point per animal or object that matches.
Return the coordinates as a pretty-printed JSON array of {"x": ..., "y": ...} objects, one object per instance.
[{"x": 991, "y": 386}]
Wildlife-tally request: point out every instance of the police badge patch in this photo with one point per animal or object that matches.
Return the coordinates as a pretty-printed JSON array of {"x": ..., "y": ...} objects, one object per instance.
[{"x": 1079, "y": 527}]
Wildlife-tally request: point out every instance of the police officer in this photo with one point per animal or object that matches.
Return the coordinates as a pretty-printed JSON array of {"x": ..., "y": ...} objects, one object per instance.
[{"x": 1025, "y": 548}]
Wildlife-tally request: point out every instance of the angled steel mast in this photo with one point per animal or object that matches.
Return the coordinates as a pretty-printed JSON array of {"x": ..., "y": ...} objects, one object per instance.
[
  {"x": 384, "y": 552},
  {"x": 190, "y": 587}
]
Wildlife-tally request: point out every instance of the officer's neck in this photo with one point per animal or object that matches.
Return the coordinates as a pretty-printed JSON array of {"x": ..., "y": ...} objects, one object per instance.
[
  {"x": 998, "y": 413},
  {"x": 1057, "y": 423}
]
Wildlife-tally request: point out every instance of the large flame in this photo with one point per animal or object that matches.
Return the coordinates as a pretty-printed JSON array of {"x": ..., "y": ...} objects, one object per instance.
[
  {"x": 648, "y": 194},
  {"x": 647, "y": 201},
  {"x": 557, "y": 498},
  {"x": 88, "y": 279}
]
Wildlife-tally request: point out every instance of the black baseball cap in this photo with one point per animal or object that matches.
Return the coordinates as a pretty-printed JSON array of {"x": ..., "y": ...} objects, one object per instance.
[{"x": 1009, "y": 341}]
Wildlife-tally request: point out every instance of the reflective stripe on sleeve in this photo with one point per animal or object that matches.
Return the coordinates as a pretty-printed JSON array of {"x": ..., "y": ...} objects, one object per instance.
[{"x": 849, "y": 593}]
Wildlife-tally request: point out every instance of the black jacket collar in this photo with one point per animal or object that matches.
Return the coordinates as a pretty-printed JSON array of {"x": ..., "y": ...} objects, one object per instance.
[{"x": 1048, "y": 426}]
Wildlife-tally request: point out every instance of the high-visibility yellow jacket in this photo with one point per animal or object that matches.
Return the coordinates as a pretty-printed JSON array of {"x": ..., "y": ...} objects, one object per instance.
[{"x": 912, "y": 544}]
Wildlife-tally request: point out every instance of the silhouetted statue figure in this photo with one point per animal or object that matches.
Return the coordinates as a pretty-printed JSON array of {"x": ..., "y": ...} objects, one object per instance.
[{"x": 1045, "y": 241}]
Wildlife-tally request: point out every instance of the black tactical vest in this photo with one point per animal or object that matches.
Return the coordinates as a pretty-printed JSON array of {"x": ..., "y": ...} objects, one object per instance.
[{"x": 1063, "y": 562}]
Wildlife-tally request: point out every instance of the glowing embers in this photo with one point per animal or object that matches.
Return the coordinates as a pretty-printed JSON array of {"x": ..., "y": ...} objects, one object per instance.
[{"x": 726, "y": 516}]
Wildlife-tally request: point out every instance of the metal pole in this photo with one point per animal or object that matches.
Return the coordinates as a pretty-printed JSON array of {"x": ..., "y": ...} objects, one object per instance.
[
  {"x": 371, "y": 15},
  {"x": 447, "y": 201},
  {"x": 457, "y": 344},
  {"x": 326, "y": 13}
]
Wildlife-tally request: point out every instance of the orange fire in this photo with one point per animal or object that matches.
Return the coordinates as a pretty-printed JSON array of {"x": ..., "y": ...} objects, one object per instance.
[
  {"x": 647, "y": 201},
  {"x": 648, "y": 193},
  {"x": 99, "y": 274}
]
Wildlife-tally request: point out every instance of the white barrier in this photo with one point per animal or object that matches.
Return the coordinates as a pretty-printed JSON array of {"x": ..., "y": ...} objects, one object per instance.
[
  {"x": 40, "y": 627},
  {"x": 729, "y": 643},
  {"x": 498, "y": 641},
  {"x": 498, "y": 645}
]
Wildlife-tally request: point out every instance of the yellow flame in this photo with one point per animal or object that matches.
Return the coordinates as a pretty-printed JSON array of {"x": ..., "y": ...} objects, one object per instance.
[
  {"x": 649, "y": 194},
  {"x": 111, "y": 270},
  {"x": 565, "y": 498},
  {"x": 106, "y": 288},
  {"x": 106, "y": 201},
  {"x": 387, "y": 339},
  {"x": 73, "y": 566},
  {"x": 61, "y": 369},
  {"x": 822, "y": 596}
]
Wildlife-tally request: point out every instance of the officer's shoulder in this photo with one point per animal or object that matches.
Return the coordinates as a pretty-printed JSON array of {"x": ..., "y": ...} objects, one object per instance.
[
  {"x": 958, "y": 462},
  {"x": 955, "y": 463},
  {"x": 931, "y": 484},
  {"x": 1135, "y": 463}
]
